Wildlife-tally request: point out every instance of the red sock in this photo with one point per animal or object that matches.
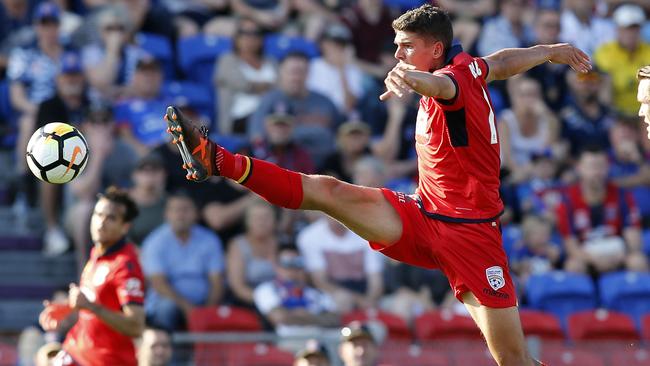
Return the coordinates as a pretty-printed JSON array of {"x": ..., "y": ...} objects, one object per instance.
[{"x": 277, "y": 185}]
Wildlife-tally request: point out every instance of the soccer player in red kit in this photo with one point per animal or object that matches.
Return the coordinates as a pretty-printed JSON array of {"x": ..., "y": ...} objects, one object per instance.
[
  {"x": 110, "y": 295},
  {"x": 451, "y": 222}
]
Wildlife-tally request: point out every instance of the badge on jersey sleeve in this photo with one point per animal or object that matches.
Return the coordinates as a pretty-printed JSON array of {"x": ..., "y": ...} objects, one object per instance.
[{"x": 495, "y": 278}]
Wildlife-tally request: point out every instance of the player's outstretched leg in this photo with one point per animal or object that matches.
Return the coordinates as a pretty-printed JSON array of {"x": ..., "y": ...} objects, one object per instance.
[
  {"x": 364, "y": 210},
  {"x": 203, "y": 158}
]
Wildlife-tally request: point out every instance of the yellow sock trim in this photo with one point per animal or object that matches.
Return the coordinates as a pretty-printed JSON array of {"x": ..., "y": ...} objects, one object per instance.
[{"x": 246, "y": 172}]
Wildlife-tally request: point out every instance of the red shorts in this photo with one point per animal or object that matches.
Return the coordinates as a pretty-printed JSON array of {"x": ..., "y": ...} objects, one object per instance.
[{"x": 471, "y": 255}]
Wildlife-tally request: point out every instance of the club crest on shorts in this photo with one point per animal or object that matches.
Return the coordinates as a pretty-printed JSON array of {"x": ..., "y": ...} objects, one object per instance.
[{"x": 495, "y": 278}]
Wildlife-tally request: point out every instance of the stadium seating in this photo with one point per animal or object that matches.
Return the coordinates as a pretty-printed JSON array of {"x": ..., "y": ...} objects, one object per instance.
[
  {"x": 601, "y": 324},
  {"x": 413, "y": 355},
  {"x": 258, "y": 354},
  {"x": 8, "y": 355},
  {"x": 627, "y": 292},
  {"x": 160, "y": 48},
  {"x": 541, "y": 324},
  {"x": 195, "y": 95},
  {"x": 396, "y": 326},
  {"x": 8, "y": 128},
  {"x": 473, "y": 356},
  {"x": 645, "y": 327},
  {"x": 279, "y": 45},
  {"x": 436, "y": 325},
  {"x": 197, "y": 56},
  {"x": 561, "y": 293},
  {"x": 573, "y": 357},
  {"x": 626, "y": 357},
  {"x": 223, "y": 318}
]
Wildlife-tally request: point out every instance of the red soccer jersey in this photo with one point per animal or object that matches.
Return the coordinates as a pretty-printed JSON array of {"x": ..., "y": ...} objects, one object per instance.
[
  {"x": 112, "y": 280},
  {"x": 458, "y": 147},
  {"x": 576, "y": 218}
]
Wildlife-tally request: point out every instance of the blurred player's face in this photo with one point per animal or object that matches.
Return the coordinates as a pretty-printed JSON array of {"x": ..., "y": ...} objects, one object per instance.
[
  {"x": 418, "y": 51},
  {"x": 593, "y": 169},
  {"x": 156, "y": 348},
  {"x": 547, "y": 26},
  {"x": 260, "y": 221},
  {"x": 107, "y": 224},
  {"x": 180, "y": 214},
  {"x": 643, "y": 96},
  {"x": 359, "y": 352},
  {"x": 293, "y": 74}
]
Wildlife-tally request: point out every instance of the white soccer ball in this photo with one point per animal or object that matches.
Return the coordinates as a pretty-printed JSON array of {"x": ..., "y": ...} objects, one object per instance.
[{"x": 57, "y": 153}]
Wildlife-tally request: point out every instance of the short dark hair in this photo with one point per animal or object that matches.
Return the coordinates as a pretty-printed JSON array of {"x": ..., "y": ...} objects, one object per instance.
[
  {"x": 121, "y": 197},
  {"x": 295, "y": 54},
  {"x": 427, "y": 20},
  {"x": 592, "y": 149}
]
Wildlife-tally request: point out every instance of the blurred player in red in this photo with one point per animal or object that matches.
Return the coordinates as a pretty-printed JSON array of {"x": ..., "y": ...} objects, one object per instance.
[
  {"x": 451, "y": 222},
  {"x": 110, "y": 295}
]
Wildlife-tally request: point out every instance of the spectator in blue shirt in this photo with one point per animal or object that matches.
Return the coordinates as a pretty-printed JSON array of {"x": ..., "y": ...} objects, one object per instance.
[
  {"x": 183, "y": 263},
  {"x": 138, "y": 116},
  {"x": 32, "y": 73}
]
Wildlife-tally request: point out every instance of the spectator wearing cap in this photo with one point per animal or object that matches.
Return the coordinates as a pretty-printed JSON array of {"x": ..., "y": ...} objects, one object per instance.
[
  {"x": 582, "y": 27},
  {"x": 586, "y": 117},
  {"x": 138, "y": 115},
  {"x": 279, "y": 146},
  {"x": 623, "y": 57},
  {"x": 353, "y": 143},
  {"x": 288, "y": 303},
  {"x": 315, "y": 116},
  {"x": 242, "y": 77},
  {"x": 183, "y": 263},
  {"x": 110, "y": 62},
  {"x": 32, "y": 71},
  {"x": 358, "y": 346},
  {"x": 148, "y": 192},
  {"x": 334, "y": 74},
  {"x": 68, "y": 105},
  {"x": 508, "y": 29},
  {"x": 313, "y": 354}
]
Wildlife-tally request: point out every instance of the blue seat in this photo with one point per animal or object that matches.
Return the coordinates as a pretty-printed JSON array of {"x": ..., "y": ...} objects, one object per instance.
[
  {"x": 197, "y": 56},
  {"x": 198, "y": 96},
  {"x": 278, "y": 45},
  {"x": 404, "y": 5},
  {"x": 646, "y": 241},
  {"x": 561, "y": 293},
  {"x": 160, "y": 48},
  {"x": 627, "y": 292}
]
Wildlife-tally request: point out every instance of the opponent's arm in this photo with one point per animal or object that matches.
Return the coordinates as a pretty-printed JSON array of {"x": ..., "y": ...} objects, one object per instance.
[{"x": 511, "y": 61}]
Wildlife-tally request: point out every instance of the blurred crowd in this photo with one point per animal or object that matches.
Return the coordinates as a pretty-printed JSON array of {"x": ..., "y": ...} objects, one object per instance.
[{"x": 296, "y": 82}]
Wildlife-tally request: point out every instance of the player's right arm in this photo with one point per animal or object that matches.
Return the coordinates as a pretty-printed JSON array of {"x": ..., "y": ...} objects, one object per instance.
[
  {"x": 511, "y": 61},
  {"x": 403, "y": 79}
]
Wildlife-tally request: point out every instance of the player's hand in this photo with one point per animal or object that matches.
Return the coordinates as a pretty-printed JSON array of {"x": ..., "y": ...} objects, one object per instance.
[
  {"x": 53, "y": 314},
  {"x": 397, "y": 82},
  {"x": 77, "y": 299},
  {"x": 564, "y": 53}
]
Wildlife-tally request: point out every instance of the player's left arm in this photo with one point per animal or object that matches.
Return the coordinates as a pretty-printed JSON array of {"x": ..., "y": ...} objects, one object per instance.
[
  {"x": 404, "y": 79},
  {"x": 130, "y": 321},
  {"x": 511, "y": 61}
]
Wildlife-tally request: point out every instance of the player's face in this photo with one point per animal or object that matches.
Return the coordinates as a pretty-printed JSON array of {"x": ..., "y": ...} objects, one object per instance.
[
  {"x": 359, "y": 352},
  {"x": 417, "y": 50},
  {"x": 643, "y": 97},
  {"x": 156, "y": 348},
  {"x": 107, "y": 224}
]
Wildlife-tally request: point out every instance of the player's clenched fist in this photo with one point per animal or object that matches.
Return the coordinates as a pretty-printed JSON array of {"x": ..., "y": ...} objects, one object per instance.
[
  {"x": 397, "y": 82},
  {"x": 53, "y": 315},
  {"x": 77, "y": 299}
]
